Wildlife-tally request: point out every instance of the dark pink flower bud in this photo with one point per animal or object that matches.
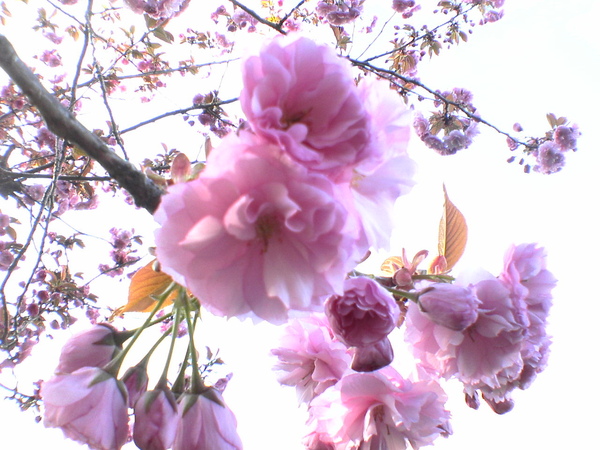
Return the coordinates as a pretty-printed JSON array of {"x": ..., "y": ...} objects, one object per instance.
[
  {"x": 364, "y": 315},
  {"x": 155, "y": 420},
  {"x": 136, "y": 383},
  {"x": 90, "y": 348},
  {"x": 373, "y": 357},
  {"x": 451, "y": 306}
]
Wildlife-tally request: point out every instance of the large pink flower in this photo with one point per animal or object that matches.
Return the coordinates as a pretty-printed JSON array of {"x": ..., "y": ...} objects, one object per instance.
[
  {"x": 93, "y": 347},
  {"x": 254, "y": 234},
  {"x": 89, "y": 405},
  {"x": 205, "y": 422},
  {"x": 310, "y": 357},
  {"x": 379, "y": 410},
  {"x": 301, "y": 96}
]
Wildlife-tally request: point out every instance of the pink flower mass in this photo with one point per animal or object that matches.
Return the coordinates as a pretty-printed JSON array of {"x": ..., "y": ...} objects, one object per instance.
[
  {"x": 301, "y": 96},
  {"x": 94, "y": 347},
  {"x": 254, "y": 234},
  {"x": 378, "y": 410}
]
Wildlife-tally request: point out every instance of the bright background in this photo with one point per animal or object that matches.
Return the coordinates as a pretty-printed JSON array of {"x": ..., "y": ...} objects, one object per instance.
[{"x": 543, "y": 56}]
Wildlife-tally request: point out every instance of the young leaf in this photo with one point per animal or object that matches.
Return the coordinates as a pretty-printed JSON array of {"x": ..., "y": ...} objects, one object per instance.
[
  {"x": 390, "y": 266},
  {"x": 452, "y": 233},
  {"x": 146, "y": 283}
]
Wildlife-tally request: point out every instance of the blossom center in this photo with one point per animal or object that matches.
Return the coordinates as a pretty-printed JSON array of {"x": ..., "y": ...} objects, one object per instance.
[{"x": 266, "y": 226}]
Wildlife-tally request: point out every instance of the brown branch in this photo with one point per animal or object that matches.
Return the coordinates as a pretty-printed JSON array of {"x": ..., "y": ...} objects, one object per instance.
[
  {"x": 62, "y": 123},
  {"x": 275, "y": 26}
]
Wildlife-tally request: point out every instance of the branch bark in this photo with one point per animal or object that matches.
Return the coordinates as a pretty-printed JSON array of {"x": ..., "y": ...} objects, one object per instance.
[{"x": 63, "y": 123}]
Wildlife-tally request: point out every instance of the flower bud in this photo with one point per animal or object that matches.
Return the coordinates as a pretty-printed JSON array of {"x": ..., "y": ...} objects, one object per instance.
[
  {"x": 373, "y": 357},
  {"x": 155, "y": 420},
  {"x": 451, "y": 306},
  {"x": 136, "y": 383},
  {"x": 364, "y": 315},
  {"x": 94, "y": 347}
]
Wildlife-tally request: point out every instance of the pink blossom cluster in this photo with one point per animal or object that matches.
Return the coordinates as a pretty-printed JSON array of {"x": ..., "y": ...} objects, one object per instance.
[
  {"x": 122, "y": 252},
  {"x": 86, "y": 400},
  {"x": 349, "y": 409},
  {"x": 489, "y": 332},
  {"x": 286, "y": 208},
  {"x": 459, "y": 130},
  {"x": 158, "y": 9},
  {"x": 550, "y": 156},
  {"x": 339, "y": 12}
]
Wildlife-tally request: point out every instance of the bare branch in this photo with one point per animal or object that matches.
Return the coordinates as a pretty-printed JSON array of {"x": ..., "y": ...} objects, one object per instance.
[
  {"x": 275, "y": 26},
  {"x": 62, "y": 123}
]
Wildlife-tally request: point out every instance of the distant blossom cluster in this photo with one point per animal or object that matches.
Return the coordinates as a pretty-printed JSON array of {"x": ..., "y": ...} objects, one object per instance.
[
  {"x": 459, "y": 130},
  {"x": 285, "y": 209}
]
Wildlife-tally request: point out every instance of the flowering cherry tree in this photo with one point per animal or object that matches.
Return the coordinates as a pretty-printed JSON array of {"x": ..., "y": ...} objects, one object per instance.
[{"x": 302, "y": 157}]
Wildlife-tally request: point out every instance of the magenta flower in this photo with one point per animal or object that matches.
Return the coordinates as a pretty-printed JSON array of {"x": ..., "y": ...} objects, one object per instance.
[
  {"x": 378, "y": 410},
  {"x": 94, "y": 347},
  {"x": 549, "y": 158},
  {"x": 156, "y": 420},
  {"x": 205, "y": 423},
  {"x": 449, "y": 305},
  {"x": 254, "y": 234},
  {"x": 364, "y": 315},
  {"x": 302, "y": 97},
  {"x": 89, "y": 405},
  {"x": 310, "y": 357}
]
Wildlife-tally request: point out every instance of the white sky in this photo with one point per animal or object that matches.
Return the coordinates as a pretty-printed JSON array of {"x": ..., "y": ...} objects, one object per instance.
[{"x": 543, "y": 56}]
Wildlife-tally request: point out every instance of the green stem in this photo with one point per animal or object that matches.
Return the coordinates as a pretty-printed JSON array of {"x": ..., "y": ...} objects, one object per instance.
[
  {"x": 162, "y": 382},
  {"x": 114, "y": 366},
  {"x": 405, "y": 294},
  {"x": 197, "y": 383}
]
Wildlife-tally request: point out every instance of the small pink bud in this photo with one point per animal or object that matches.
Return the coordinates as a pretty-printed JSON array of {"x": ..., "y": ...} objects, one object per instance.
[
  {"x": 373, "y": 357},
  {"x": 136, "y": 383},
  {"x": 451, "y": 306}
]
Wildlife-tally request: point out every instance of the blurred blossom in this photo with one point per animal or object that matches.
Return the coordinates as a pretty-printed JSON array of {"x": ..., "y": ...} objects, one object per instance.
[
  {"x": 310, "y": 357},
  {"x": 549, "y": 158},
  {"x": 402, "y": 5},
  {"x": 379, "y": 410},
  {"x": 158, "y": 9},
  {"x": 566, "y": 137},
  {"x": 89, "y": 405}
]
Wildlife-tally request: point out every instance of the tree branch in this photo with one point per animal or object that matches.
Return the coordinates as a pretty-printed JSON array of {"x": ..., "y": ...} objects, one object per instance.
[{"x": 61, "y": 122}]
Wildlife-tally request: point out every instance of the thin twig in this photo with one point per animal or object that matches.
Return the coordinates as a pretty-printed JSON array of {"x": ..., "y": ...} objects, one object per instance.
[
  {"x": 275, "y": 26},
  {"x": 61, "y": 122}
]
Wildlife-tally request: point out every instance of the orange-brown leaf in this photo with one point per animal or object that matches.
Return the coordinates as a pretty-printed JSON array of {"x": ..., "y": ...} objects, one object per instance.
[
  {"x": 390, "y": 266},
  {"x": 146, "y": 283},
  {"x": 452, "y": 234}
]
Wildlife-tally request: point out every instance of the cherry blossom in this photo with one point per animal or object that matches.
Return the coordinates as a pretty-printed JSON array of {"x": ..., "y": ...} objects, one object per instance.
[
  {"x": 254, "y": 234},
  {"x": 89, "y": 405}
]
